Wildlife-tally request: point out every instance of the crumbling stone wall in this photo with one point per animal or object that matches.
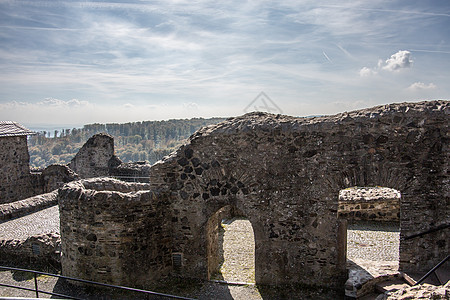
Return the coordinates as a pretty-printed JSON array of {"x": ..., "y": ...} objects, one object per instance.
[
  {"x": 15, "y": 181},
  {"x": 374, "y": 204},
  {"x": 282, "y": 173},
  {"x": 55, "y": 176},
  {"x": 96, "y": 158}
]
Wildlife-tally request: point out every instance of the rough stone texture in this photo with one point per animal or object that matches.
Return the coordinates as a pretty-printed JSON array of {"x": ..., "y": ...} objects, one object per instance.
[
  {"x": 39, "y": 248},
  {"x": 284, "y": 175},
  {"x": 376, "y": 203},
  {"x": 96, "y": 157},
  {"x": 423, "y": 291},
  {"x": 15, "y": 181},
  {"x": 121, "y": 236},
  {"x": 22, "y": 207},
  {"x": 55, "y": 176}
]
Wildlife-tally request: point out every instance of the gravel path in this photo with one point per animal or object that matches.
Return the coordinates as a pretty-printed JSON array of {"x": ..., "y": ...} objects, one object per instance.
[{"x": 41, "y": 222}]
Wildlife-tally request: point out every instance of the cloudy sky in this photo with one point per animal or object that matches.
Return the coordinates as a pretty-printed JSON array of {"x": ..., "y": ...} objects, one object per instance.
[{"x": 77, "y": 62}]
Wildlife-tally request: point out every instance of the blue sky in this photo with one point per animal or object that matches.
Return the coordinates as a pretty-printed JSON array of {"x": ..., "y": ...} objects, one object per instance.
[{"x": 77, "y": 62}]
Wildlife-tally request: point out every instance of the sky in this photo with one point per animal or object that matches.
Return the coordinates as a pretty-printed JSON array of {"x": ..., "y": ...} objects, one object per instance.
[{"x": 79, "y": 62}]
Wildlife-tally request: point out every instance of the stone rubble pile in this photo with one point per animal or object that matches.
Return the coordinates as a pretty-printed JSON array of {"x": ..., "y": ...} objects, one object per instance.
[{"x": 423, "y": 291}]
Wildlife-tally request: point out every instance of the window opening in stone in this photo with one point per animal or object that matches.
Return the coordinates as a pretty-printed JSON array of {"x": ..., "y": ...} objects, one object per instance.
[
  {"x": 236, "y": 251},
  {"x": 373, "y": 232}
]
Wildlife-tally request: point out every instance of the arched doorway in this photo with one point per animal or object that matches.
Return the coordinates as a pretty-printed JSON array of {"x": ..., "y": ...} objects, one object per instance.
[
  {"x": 373, "y": 232},
  {"x": 231, "y": 247}
]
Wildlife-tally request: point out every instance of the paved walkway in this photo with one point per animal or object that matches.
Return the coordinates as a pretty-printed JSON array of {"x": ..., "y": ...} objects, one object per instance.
[{"x": 41, "y": 222}]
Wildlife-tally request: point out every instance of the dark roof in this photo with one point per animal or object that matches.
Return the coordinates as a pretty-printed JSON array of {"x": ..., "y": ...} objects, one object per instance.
[{"x": 9, "y": 128}]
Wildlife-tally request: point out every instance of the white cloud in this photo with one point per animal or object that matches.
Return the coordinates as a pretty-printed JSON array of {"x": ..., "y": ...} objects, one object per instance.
[
  {"x": 418, "y": 86},
  {"x": 398, "y": 61},
  {"x": 366, "y": 72},
  {"x": 52, "y": 102},
  {"x": 191, "y": 106}
]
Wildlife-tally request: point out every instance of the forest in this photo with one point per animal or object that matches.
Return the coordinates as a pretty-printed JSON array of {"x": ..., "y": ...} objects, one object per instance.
[{"x": 135, "y": 141}]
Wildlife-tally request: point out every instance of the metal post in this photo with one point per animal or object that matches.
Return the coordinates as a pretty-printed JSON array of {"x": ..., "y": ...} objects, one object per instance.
[{"x": 36, "y": 285}]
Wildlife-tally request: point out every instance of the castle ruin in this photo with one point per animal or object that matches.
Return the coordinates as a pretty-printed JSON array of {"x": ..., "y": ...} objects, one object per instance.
[{"x": 282, "y": 173}]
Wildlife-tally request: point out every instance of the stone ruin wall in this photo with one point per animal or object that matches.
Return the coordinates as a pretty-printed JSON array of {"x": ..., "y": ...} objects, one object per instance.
[
  {"x": 369, "y": 204},
  {"x": 284, "y": 174},
  {"x": 15, "y": 180},
  {"x": 256, "y": 164},
  {"x": 96, "y": 158}
]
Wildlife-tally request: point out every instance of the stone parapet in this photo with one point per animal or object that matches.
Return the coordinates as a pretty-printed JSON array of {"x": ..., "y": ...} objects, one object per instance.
[{"x": 369, "y": 203}]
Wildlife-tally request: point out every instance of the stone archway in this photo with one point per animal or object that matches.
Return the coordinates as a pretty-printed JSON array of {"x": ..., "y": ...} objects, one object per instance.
[{"x": 230, "y": 246}]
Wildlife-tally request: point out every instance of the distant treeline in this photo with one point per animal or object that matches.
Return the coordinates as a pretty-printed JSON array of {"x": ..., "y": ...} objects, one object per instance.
[{"x": 137, "y": 141}]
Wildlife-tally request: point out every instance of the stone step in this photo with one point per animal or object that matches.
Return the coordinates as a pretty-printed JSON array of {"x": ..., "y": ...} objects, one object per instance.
[{"x": 390, "y": 285}]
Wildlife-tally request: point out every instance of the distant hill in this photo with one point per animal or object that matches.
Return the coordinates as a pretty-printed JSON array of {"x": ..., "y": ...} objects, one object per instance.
[{"x": 136, "y": 141}]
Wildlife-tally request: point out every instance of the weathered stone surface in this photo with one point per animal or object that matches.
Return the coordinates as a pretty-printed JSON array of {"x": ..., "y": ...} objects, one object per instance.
[
  {"x": 422, "y": 291},
  {"x": 282, "y": 173},
  {"x": 115, "y": 231},
  {"x": 15, "y": 180},
  {"x": 40, "y": 248},
  {"x": 55, "y": 176},
  {"x": 375, "y": 204},
  {"x": 96, "y": 157}
]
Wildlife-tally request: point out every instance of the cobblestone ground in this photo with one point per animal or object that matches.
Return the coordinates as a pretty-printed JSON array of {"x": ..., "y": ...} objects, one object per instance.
[
  {"x": 43, "y": 221},
  {"x": 373, "y": 241}
]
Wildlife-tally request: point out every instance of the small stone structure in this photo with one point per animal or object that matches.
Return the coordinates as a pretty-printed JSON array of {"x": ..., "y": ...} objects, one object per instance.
[
  {"x": 374, "y": 203},
  {"x": 282, "y": 173},
  {"x": 115, "y": 231},
  {"x": 96, "y": 158},
  {"x": 15, "y": 180}
]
